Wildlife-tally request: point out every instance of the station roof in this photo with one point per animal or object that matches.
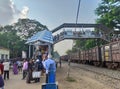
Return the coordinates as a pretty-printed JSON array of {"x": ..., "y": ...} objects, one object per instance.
[{"x": 44, "y": 36}]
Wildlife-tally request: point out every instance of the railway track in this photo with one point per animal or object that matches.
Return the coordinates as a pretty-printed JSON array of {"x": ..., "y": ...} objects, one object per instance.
[{"x": 115, "y": 74}]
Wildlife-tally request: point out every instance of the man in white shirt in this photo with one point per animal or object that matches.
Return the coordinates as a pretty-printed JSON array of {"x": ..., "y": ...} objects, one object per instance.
[{"x": 6, "y": 69}]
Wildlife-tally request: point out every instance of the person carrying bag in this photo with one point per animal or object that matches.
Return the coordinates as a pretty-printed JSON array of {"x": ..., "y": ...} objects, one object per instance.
[{"x": 38, "y": 68}]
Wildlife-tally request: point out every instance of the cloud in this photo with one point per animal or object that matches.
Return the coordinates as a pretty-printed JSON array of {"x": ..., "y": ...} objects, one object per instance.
[
  {"x": 6, "y": 11},
  {"x": 9, "y": 12},
  {"x": 24, "y": 12}
]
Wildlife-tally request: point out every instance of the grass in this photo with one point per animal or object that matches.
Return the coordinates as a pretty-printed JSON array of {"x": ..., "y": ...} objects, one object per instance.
[{"x": 70, "y": 79}]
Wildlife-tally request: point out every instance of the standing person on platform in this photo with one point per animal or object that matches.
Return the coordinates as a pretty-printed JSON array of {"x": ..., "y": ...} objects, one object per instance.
[
  {"x": 39, "y": 54},
  {"x": 6, "y": 69},
  {"x": 1, "y": 67},
  {"x": 15, "y": 68},
  {"x": 1, "y": 73},
  {"x": 25, "y": 67},
  {"x": 38, "y": 67},
  {"x": 60, "y": 62},
  {"x": 19, "y": 66},
  {"x": 49, "y": 65},
  {"x": 29, "y": 71}
]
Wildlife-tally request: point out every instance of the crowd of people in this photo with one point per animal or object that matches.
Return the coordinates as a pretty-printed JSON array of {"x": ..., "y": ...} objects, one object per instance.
[{"x": 43, "y": 63}]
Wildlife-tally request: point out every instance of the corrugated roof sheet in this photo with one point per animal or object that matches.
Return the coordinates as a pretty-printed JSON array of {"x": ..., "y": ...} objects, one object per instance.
[{"x": 45, "y": 36}]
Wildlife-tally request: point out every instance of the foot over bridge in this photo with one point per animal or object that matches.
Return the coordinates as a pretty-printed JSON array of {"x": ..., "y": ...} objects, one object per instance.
[{"x": 81, "y": 31}]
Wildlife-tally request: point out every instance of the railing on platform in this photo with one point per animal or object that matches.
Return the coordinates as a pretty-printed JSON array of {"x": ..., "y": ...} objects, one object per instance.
[{"x": 78, "y": 35}]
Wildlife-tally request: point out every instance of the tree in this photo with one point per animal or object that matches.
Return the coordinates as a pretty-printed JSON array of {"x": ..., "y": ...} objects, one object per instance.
[
  {"x": 8, "y": 28},
  {"x": 69, "y": 51},
  {"x": 109, "y": 13},
  {"x": 26, "y": 27},
  {"x": 1, "y": 28},
  {"x": 79, "y": 44},
  {"x": 14, "y": 36},
  {"x": 13, "y": 42}
]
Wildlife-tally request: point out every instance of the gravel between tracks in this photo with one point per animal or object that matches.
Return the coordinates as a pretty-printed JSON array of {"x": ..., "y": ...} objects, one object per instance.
[
  {"x": 104, "y": 71},
  {"x": 106, "y": 76}
]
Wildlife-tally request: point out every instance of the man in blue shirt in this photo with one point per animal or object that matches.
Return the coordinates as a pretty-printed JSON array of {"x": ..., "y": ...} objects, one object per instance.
[{"x": 50, "y": 66}]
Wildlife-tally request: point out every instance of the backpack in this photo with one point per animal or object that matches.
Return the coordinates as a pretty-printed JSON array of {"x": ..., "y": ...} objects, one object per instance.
[{"x": 40, "y": 65}]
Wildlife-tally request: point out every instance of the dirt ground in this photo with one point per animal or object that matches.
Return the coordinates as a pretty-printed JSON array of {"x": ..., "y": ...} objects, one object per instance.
[
  {"x": 79, "y": 79},
  {"x": 82, "y": 79}
]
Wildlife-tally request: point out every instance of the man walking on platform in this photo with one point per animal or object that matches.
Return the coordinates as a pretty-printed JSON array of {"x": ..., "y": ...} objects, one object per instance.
[{"x": 6, "y": 69}]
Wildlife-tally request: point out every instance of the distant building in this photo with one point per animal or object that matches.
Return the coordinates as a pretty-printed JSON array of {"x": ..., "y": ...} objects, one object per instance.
[{"x": 4, "y": 53}]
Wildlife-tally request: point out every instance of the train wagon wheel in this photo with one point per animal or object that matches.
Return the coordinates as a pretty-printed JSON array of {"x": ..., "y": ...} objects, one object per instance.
[
  {"x": 96, "y": 63},
  {"x": 115, "y": 65},
  {"x": 109, "y": 65},
  {"x": 83, "y": 62}
]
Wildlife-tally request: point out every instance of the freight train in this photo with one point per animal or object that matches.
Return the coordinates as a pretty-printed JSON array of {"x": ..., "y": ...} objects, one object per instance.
[{"x": 107, "y": 55}]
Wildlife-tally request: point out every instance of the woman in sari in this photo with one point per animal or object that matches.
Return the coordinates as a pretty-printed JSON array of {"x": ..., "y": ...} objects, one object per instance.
[{"x": 15, "y": 69}]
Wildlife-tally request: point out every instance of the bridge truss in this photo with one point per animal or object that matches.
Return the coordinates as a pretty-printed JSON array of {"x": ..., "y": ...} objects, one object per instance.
[{"x": 81, "y": 31}]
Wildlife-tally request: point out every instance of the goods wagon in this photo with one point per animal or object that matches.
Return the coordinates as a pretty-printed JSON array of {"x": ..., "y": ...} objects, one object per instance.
[
  {"x": 115, "y": 51},
  {"x": 96, "y": 56},
  {"x": 107, "y": 55},
  {"x": 115, "y": 54},
  {"x": 75, "y": 57},
  {"x": 110, "y": 54},
  {"x": 64, "y": 57},
  {"x": 82, "y": 57}
]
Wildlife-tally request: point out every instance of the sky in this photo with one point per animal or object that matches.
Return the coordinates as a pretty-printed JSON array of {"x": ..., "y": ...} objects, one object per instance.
[{"x": 51, "y": 13}]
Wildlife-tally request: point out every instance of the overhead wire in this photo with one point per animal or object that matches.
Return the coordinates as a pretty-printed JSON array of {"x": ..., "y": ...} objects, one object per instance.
[
  {"x": 78, "y": 11},
  {"x": 79, "y": 3}
]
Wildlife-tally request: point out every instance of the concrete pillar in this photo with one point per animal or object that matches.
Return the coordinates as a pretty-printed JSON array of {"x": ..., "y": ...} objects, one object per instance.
[
  {"x": 33, "y": 51},
  {"x": 29, "y": 51},
  {"x": 49, "y": 49}
]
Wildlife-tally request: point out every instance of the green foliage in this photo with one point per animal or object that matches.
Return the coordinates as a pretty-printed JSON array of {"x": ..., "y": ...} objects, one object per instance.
[
  {"x": 26, "y": 27},
  {"x": 14, "y": 36},
  {"x": 70, "y": 79},
  {"x": 13, "y": 42},
  {"x": 109, "y": 13},
  {"x": 69, "y": 51},
  {"x": 80, "y": 44},
  {"x": 86, "y": 44}
]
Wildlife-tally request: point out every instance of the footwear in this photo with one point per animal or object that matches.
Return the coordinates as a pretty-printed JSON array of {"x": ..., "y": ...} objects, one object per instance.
[
  {"x": 35, "y": 81},
  {"x": 28, "y": 82}
]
